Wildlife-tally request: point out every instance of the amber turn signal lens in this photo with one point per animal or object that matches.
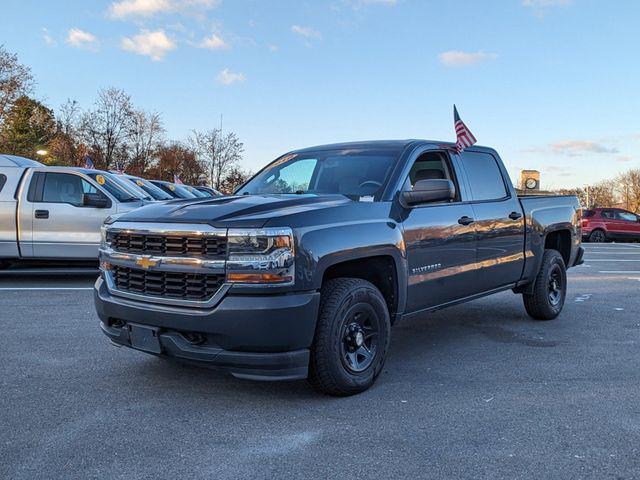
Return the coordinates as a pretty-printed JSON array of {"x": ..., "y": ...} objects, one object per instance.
[{"x": 257, "y": 278}]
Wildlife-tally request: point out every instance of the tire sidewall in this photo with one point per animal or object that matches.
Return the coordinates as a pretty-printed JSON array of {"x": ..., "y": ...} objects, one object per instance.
[
  {"x": 555, "y": 259},
  {"x": 364, "y": 379}
]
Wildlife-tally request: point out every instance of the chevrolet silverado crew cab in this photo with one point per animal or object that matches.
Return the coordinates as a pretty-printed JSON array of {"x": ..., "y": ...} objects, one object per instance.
[
  {"x": 302, "y": 272},
  {"x": 55, "y": 213}
]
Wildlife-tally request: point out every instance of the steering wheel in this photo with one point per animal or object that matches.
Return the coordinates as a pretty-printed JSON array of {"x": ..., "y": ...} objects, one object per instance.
[{"x": 372, "y": 182}]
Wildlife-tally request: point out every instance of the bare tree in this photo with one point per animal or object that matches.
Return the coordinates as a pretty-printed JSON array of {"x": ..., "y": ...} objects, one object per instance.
[
  {"x": 628, "y": 189},
  {"x": 233, "y": 180},
  {"x": 107, "y": 128},
  {"x": 602, "y": 194},
  {"x": 145, "y": 137},
  {"x": 218, "y": 153},
  {"x": 176, "y": 159},
  {"x": 15, "y": 81}
]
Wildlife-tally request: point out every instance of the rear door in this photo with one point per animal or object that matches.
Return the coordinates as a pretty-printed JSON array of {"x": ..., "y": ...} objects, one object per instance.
[
  {"x": 62, "y": 226},
  {"x": 629, "y": 224},
  {"x": 499, "y": 221},
  {"x": 440, "y": 243}
]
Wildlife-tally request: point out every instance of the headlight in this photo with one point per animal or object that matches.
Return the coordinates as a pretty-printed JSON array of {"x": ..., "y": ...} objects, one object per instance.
[{"x": 261, "y": 256}]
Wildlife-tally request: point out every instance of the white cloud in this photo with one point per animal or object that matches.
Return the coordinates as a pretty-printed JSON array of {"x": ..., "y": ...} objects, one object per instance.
[
  {"x": 579, "y": 147},
  {"x": 306, "y": 32},
  {"x": 545, "y": 3},
  {"x": 48, "y": 39},
  {"x": 457, "y": 58},
  {"x": 574, "y": 148},
  {"x": 540, "y": 7},
  {"x": 147, "y": 8},
  {"x": 272, "y": 47},
  {"x": 80, "y": 39},
  {"x": 227, "y": 77},
  {"x": 389, "y": 3},
  {"x": 152, "y": 44},
  {"x": 213, "y": 42}
]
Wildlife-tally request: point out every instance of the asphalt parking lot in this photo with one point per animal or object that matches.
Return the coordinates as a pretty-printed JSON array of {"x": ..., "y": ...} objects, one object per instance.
[{"x": 475, "y": 391}]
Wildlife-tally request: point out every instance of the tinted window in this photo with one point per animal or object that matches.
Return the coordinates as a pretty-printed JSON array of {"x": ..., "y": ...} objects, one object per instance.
[
  {"x": 3, "y": 180},
  {"x": 485, "y": 178},
  {"x": 352, "y": 172},
  {"x": 65, "y": 188},
  {"x": 626, "y": 216},
  {"x": 111, "y": 185},
  {"x": 588, "y": 213},
  {"x": 429, "y": 166},
  {"x": 608, "y": 214},
  {"x": 151, "y": 189}
]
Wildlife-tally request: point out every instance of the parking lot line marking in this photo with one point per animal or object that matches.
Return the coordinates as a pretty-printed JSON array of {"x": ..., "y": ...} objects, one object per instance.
[
  {"x": 618, "y": 271},
  {"x": 611, "y": 260},
  {"x": 44, "y": 288},
  {"x": 630, "y": 252}
]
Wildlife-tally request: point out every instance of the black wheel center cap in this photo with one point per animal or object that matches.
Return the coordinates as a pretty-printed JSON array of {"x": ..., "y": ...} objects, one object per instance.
[{"x": 355, "y": 336}]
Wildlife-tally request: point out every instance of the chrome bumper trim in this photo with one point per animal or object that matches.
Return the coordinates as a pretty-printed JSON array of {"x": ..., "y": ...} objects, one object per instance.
[{"x": 162, "y": 263}]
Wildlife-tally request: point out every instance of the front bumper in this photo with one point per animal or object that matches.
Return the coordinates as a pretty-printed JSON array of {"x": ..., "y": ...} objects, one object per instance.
[{"x": 259, "y": 336}]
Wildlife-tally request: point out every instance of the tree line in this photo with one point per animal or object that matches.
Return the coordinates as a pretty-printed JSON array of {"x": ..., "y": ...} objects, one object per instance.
[
  {"x": 113, "y": 133},
  {"x": 622, "y": 191}
]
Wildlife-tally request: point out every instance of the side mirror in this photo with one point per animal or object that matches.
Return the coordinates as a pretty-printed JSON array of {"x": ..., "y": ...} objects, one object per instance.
[
  {"x": 96, "y": 200},
  {"x": 425, "y": 191}
]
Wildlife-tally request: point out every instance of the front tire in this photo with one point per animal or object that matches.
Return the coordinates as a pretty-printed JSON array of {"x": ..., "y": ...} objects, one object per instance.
[
  {"x": 352, "y": 337},
  {"x": 549, "y": 289}
]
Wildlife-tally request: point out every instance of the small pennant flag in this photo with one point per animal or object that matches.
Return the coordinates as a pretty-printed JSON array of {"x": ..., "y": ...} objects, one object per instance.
[
  {"x": 464, "y": 137},
  {"x": 88, "y": 162},
  {"x": 176, "y": 179}
]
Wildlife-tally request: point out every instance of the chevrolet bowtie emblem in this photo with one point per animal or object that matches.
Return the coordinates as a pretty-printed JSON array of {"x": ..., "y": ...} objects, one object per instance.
[{"x": 146, "y": 262}]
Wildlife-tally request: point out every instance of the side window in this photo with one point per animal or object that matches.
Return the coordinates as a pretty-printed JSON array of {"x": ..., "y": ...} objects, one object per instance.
[
  {"x": 608, "y": 214},
  {"x": 485, "y": 178},
  {"x": 65, "y": 188},
  {"x": 626, "y": 216},
  {"x": 3, "y": 180},
  {"x": 429, "y": 166}
]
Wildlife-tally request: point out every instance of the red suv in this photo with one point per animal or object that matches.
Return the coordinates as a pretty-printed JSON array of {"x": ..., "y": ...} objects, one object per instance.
[{"x": 604, "y": 224}]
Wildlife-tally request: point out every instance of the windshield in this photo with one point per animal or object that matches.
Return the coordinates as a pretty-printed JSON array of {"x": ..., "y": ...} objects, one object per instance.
[
  {"x": 111, "y": 185},
  {"x": 196, "y": 192},
  {"x": 150, "y": 188},
  {"x": 354, "y": 172},
  {"x": 131, "y": 188},
  {"x": 176, "y": 191}
]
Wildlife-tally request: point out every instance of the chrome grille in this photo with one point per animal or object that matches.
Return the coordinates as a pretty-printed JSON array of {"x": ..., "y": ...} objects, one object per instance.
[
  {"x": 179, "y": 285},
  {"x": 208, "y": 246}
]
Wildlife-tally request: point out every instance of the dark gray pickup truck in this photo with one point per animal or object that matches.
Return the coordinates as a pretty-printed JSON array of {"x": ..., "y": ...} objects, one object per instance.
[{"x": 302, "y": 273}]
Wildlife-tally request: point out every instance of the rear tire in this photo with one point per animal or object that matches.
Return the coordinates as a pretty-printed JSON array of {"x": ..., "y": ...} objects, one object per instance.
[
  {"x": 549, "y": 289},
  {"x": 352, "y": 337},
  {"x": 598, "y": 236}
]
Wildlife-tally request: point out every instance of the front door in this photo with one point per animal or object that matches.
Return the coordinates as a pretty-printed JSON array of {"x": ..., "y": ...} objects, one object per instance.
[
  {"x": 627, "y": 224},
  {"x": 439, "y": 240},
  {"x": 62, "y": 226}
]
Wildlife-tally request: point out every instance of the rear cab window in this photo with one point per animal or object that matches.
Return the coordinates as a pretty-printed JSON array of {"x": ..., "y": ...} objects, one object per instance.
[{"x": 484, "y": 176}]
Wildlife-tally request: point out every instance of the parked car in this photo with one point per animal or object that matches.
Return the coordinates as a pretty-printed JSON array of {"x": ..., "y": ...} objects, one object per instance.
[
  {"x": 173, "y": 189},
  {"x": 152, "y": 190},
  {"x": 196, "y": 192},
  {"x": 302, "y": 273},
  {"x": 606, "y": 224},
  {"x": 55, "y": 212},
  {"x": 211, "y": 192}
]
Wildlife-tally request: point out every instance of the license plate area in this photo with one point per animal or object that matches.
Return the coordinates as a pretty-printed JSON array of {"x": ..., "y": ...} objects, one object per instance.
[{"x": 145, "y": 338}]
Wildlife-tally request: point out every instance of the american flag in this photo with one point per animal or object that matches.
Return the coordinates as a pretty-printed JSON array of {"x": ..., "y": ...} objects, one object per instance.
[
  {"x": 88, "y": 163},
  {"x": 464, "y": 137},
  {"x": 176, "y": 179}
]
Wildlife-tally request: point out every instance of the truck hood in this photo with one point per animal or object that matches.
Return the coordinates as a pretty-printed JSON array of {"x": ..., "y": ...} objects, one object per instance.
[{"x": 236, "y": 211}]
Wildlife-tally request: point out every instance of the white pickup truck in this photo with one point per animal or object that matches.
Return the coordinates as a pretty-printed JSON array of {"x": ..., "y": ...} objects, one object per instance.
[{"x": 52, "y": 213}]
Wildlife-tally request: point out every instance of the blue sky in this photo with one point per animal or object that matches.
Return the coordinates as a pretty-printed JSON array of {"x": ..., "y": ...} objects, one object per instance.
[{"x": 551, "y": 84}]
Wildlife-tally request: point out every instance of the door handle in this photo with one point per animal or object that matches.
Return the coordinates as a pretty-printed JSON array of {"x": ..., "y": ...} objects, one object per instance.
[
  {"x": 42, "y": 214},
  {"x": 465, "y": 220},
  {"x": 515, "y": 215}
]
